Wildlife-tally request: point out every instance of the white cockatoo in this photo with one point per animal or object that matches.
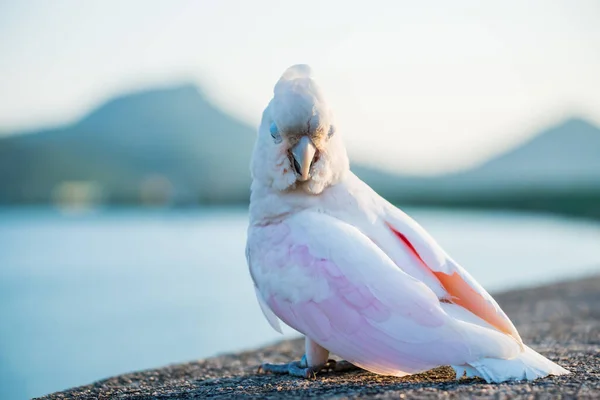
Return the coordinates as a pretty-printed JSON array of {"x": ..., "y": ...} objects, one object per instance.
[{"x": 353, "y": 273}]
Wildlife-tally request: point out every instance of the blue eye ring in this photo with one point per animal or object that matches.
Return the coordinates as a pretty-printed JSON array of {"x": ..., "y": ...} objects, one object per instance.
[
  {"x": 331, "y": 131},
  {"x": 275, "y": 132}
]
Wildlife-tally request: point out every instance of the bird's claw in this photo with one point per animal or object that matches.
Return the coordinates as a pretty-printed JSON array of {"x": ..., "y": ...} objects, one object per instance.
[
  {"x": 302, "y": 370},
  {"x": 343, "y": 366}
]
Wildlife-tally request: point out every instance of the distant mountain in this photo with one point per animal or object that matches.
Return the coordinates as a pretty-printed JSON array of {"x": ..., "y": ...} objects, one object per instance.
[
  {"x": 171, "y": 138},
  {"x": 172, "y": 145},
  {"x": 556, "y": 170},
  {"x": 562, "y": 157}
]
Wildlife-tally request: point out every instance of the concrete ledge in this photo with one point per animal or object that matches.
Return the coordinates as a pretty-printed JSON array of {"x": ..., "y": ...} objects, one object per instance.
[{"x": 561, "y": 321}]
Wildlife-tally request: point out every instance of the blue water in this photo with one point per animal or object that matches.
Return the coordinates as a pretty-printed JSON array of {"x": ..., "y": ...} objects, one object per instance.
[{"x": 89, "y": 296}]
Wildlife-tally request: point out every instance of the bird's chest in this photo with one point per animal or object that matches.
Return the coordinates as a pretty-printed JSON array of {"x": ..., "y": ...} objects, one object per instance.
[{"x": 281, "y": 264}]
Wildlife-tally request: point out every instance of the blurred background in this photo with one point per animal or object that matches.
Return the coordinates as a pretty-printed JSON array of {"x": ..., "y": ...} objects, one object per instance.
[{"x": 126, "y": 130}]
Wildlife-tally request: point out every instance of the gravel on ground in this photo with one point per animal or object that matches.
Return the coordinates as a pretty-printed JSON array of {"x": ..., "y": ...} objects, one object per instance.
[{"x": 561, "y": 321}]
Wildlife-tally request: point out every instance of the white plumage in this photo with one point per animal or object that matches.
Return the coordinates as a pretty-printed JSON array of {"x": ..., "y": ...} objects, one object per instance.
[{"x": 354, "y": 274}]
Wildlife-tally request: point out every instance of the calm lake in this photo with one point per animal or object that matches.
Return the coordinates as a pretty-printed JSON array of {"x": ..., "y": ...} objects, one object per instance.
[{"x": 89, "y": 296}]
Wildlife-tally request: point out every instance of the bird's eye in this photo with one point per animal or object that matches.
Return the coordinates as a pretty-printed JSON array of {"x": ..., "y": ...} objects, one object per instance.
[
  {"x": 331, "y": 131},
  {"x": 275, "y": 132}
]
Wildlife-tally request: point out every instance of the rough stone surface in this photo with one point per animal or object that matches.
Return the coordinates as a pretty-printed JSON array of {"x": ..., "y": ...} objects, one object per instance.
[{"x": 561, "y": 321}]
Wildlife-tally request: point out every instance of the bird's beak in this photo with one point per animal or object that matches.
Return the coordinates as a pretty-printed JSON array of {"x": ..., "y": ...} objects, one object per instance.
[{"x": 303, "y": 153}]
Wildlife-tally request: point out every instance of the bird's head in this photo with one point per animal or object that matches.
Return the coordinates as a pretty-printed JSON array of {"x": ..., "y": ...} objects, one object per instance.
[{"x": 298, "y": 147}]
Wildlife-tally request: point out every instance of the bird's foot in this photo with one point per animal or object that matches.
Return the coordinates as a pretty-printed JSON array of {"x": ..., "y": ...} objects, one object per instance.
[{"x": 302, "y": 370}]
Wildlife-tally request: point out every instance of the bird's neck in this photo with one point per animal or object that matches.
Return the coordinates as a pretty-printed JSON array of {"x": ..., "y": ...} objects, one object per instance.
[{"x": 269, "y": 205}]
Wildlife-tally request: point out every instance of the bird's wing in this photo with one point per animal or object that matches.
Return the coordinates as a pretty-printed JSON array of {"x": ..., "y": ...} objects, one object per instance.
[
  {"x": 326, "y": 279},
  {"x": 460, "y": 287}
]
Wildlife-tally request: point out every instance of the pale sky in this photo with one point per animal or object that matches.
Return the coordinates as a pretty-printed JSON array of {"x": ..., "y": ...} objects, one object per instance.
[{"x": 417, "y": 86}]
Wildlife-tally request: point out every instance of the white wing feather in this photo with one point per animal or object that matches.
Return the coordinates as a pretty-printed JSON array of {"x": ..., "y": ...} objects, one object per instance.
[{"x": 329, "y": 281}]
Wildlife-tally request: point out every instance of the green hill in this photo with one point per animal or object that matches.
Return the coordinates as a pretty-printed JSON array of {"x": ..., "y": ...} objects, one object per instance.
[
  {"x": 556, "y": 170},
  {"x": 174, "y": 136}
]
